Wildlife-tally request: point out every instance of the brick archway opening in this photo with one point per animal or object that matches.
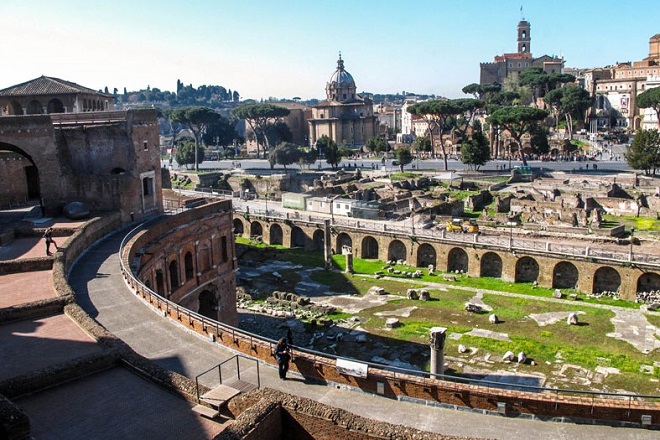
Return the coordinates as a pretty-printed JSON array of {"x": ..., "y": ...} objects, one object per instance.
[
  {"x": 369, "y": 248},
  {"x": 491, "y": 265},
  {"x": 426, "y": 256},
  {"x": 396, "y": 251},
  {"x": 238, "y": 227},
  {"x": 256, "y": 230},
  {"x": 318, "y": 239},
  {"x": 276, "y": 234},
  {"x": 343, "y": 239},
  {"x": 648, "y": 282},
  {"x": 565, "y": 276},
  {"x": 606, "y": 279},
  {"x": 208, "y": 304},
  {"x": 457, "y": 260},
  {"x": 527, "y": 270},
  {"x": 298, "y": 238}
]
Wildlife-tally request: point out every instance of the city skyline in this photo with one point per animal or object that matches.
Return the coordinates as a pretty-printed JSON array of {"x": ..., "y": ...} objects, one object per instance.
[{"x": 289, "y": 48}]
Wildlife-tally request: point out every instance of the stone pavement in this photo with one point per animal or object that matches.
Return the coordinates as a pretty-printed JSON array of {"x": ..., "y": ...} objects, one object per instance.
[{"x": 101, "y": 291}]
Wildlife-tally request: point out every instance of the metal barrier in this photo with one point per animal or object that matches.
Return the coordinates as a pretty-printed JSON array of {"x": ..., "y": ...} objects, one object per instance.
[{"x": 397, "y": 373}]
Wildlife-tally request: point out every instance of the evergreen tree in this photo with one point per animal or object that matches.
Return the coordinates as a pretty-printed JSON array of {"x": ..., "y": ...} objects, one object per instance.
[
  {"x": 476, "y": 151},
  {"x": 644, "y": 153}
]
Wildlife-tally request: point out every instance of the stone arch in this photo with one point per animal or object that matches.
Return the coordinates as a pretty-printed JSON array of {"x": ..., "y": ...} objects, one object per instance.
[
  {"x": 298, "y": 237},
  {"x": 319, "y": 239},
  {"x": 565, "y": 275},
  {"x": 491, "y": 265},
  {"x": 25, "y": 181},
  {"x": 55, "y": 106},
  {"x": 15, "y": 108},
  {"x": 648, "y": 281},
  {"x": 606, "y": 279},
  {"x": 208, "y": 304},
  {"x": 369, "y": 248},
  {"x": 34, "y": 107},
  {"x": 174, "y": 275},
  {"x": 160, "y": 283},
  {"x": 343, "y": 239},
  {"x": 527, "y": 270},
  {"x": 457, "y": 260},
  {"x": 276, "y": 234},
  {"x": 188, "y": 266},
  {"x": 256, "y": 230},
  {"x": 426, "y": 255},
  {"x": 238, "y": 227},
  {"x": 396, "y": 251}
]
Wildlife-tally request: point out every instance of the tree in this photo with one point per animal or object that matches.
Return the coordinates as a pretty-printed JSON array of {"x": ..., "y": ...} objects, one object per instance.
[
  {"x": 222, "y": 132},
  {"x": 330, "y": 151},
  {"x": 650, "y": 99},
  {"x": 284, "y": 154},
  {"x": 186, "y": 153},
  {"x": 376, "y": 145},
  {"x": 403, "y": 157},
  {"x": 518, "y": 120},
  {"x": 539, "y": 139},
  {"x": 422, "y": 143},
  {"x": 278, "y": 132},
  {"x": 644, "y": 153},
  {"x": 476, "y": 151},
  {"x": 308, "y": 157},
  {"x": 196, "y": 119},
  {"x": 482, "y": 91},
  {"x": 441, "y": 113},
  {"x": 572, "y": 102},
  {"x": 257, "y": 117}
]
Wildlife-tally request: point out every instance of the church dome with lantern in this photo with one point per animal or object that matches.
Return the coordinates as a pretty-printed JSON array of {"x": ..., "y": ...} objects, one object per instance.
[{"x": 341, "y": 86}]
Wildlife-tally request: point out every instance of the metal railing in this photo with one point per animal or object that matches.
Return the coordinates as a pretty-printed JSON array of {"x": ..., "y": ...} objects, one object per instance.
[
  {"x": 388, "y": 371},
  {"x": 237, "y": 358}
]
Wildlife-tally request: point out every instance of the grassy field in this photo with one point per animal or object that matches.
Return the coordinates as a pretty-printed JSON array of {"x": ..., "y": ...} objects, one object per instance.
[{"x": 585, "y": 345}]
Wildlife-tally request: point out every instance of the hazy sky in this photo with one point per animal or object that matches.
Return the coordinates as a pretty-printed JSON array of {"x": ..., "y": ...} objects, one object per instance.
[{"x": 287, "y": 48}]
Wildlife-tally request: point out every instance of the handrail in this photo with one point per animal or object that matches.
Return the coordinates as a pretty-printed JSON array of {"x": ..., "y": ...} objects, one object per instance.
[
  {"x": 219, "y": 367},
  {"x": 403, "y": 373}
]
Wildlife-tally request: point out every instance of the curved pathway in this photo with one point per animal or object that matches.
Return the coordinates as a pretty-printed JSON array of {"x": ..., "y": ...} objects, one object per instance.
[{"x": 101, "y": 291}]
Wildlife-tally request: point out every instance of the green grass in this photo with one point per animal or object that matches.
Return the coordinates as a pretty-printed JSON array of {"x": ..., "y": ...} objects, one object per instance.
[
  {"x": 395, "y": 177},
  {"x": 581, "y": 345},
  {"x": 642, "y": 224}
]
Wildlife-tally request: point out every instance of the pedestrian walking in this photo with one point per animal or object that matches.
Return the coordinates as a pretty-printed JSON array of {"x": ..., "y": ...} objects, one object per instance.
[
  {"x": 283, "y": 356},
  {"x": 48, "y": 235}
]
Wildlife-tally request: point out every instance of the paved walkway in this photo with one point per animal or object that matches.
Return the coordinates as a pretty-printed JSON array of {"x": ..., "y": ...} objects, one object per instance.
[{"x": 100, "y": 288}]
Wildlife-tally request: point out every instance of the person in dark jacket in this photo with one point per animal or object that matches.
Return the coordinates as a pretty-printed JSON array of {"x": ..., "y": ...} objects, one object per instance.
[
  {"x": 48, "y": 235},
  {"x": 283, "y": 356}
]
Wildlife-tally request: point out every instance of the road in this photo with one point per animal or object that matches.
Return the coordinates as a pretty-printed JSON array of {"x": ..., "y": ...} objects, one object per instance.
[{"x": 431, "y": 164}]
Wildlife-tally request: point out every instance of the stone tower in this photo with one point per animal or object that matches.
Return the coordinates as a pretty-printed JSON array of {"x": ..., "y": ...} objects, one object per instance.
[{"x": 524, "y": 39}]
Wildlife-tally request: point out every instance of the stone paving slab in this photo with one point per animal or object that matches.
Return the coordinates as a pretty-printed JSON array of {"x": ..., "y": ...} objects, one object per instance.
[
  {"x": 26, "y": 247},
  {"x": 114, "y": 404},
  {"x": 25, "y": 287},
  {"x": 31, "y": 345}
]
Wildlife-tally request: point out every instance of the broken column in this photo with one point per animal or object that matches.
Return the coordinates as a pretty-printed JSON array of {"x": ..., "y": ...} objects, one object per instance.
[
  {"x": 437, "y": 342},
  {"x": 348, "y": 252}
]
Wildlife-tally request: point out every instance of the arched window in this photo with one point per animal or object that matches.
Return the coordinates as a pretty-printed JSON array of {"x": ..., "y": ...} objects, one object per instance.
[{"x": 188, "y": 262}]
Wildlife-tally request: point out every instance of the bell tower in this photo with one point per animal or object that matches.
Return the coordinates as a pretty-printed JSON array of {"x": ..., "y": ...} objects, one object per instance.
[{"x": 524, "y": 39}]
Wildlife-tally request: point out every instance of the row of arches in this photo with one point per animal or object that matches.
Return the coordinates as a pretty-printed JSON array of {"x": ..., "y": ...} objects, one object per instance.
[
  {"x": 564, "y": 274},
  {"x": 55, "y": 105},
  {"x": 34, "y": 107}
]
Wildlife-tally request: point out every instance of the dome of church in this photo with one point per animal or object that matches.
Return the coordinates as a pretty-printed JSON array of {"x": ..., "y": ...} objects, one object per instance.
[{"x": 341, "y": 76}]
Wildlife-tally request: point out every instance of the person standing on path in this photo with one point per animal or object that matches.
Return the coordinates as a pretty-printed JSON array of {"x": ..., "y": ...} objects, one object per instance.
[
  {"x": 283, "y": 356},
  {"x": 48, "y": 235}
]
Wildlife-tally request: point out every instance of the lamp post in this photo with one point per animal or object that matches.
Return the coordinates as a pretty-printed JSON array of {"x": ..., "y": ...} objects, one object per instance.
[
  {"x": 510, "y": 235},
  {"x": 632, "y": 241}
]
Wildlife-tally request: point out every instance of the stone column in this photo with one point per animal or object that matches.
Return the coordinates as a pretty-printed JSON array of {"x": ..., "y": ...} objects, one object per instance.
[
  {"x": 437, "y": 342},
  {"x": 327, "y": 248},
  {"x": 349, "y": 261}
]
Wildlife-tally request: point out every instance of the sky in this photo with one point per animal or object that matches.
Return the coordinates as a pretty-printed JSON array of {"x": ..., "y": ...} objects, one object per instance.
[{"x": 289, "y": 48}]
